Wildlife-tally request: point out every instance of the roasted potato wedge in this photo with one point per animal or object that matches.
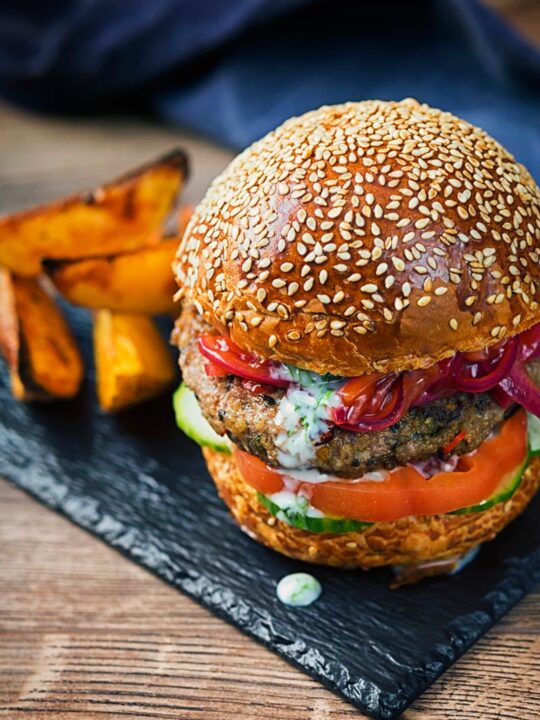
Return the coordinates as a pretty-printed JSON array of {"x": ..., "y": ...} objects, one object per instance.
[
  {"x": 120, "y": 216},
  {"x": 133, "y": 362},
  {"x": 140, "y": 281},
  {"x": 36, "y": 341}
]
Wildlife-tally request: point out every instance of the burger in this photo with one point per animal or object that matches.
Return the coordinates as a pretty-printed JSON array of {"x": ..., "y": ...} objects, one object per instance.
[{"x": 360, "y": 336}]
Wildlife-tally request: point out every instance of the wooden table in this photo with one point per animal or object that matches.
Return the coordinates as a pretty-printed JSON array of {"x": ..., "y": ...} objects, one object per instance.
[{"x": 84, "y": 633}]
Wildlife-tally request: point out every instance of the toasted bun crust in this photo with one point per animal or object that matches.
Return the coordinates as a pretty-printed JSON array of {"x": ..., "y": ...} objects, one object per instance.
[
  {"x": 367, "y": 236},
  {"x": 408, "y": 541}
]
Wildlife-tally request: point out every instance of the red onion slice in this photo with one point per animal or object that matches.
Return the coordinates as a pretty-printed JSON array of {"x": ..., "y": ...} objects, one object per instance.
[
  {"x": 530, "y": 343},
  {"x": 490, "y": 379},
  {"x": 225, "y": 354},
  {"x": 519, "y": 385}
]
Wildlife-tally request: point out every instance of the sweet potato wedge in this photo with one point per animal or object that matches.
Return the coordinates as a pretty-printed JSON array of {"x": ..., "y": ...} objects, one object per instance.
[
  {"x": 140, "y": 281},
  {"x": 36, "y": 342},
  {"x": 132, "y": 360},
  {"x": 120, "y": 216}
]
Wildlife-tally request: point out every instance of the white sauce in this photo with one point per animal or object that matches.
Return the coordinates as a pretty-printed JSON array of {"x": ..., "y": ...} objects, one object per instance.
[
  {"x": 308, "y": 475},
  {"x": 303, "y": 417},
  {"x": 298, "y": 590},
  {"x": 300, "y": 504},
  {"x": 465, "y": 560},
  {"x": 448, "y": 566},
  {"x": 313, "y": 476}
]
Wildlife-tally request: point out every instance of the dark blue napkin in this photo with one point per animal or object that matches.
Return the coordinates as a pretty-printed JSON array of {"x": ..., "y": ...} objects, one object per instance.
[{"x": 234, "y": 69}]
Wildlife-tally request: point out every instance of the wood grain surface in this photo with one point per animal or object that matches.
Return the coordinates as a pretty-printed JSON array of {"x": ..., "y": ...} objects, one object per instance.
[{"x": 86, "y": 634}]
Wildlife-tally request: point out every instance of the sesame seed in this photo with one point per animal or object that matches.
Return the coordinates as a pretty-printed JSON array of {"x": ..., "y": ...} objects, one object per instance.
[
  {"x": 453, "y": 323},
  {"x": 423, "y": 163},
  {"x": 272, "y": 341},
  {"x": 292, "y": 288},
  {"x": 477, "y": 317},
  {"x": 335, "y": 212},
  {"x": 424, "y": 300}
]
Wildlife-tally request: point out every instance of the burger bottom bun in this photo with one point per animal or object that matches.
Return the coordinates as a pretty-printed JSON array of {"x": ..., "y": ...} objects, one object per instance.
[{"x": 408, "y": 541}]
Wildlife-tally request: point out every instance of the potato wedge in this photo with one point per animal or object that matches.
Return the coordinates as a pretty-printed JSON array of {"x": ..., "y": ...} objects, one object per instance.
[
  {"x": 132, "y": 360},
  {"x": 120, "y": 216},
  {"x": 36, "y": 341},
  {"x": 140, "y": 281}
]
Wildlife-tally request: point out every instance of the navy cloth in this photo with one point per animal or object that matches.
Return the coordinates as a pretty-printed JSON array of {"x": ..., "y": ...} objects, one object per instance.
[{"x": 234, "y": 69}]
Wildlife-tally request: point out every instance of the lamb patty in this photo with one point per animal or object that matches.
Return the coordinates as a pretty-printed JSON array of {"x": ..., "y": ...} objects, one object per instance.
[{"x": 249, "y": 419}]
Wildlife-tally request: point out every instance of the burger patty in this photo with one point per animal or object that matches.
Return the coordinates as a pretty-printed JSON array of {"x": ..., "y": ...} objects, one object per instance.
[{"x": 249, "y": 419}]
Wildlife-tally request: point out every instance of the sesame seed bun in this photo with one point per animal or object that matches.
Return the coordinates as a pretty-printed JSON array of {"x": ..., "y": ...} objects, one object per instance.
[
  {"x": 408, "y": 541},
  {"x": 372, "y": 236}
]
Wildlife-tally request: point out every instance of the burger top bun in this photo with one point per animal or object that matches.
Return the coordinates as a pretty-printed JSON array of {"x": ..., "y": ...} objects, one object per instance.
[{"x": 371, "y": 236}]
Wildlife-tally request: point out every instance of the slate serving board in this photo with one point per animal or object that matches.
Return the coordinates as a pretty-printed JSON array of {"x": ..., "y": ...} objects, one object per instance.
[{"x": 141, "y": 486}]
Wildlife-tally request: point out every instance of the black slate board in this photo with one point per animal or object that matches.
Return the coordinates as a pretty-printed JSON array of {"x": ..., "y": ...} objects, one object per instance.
[{"x": 141, "y": 486}]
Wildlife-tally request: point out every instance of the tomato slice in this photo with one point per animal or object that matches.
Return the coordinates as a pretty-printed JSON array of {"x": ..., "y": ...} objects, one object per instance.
[{"x": 405, "y": 491}]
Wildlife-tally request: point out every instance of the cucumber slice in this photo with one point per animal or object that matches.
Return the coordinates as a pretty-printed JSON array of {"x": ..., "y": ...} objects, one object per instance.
[
  {"x": 190, "y": 420},
  {"x": 503, "y": 494},
  {"x": 533, "y": 431},
  {"x": 299, "y": 518}
]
